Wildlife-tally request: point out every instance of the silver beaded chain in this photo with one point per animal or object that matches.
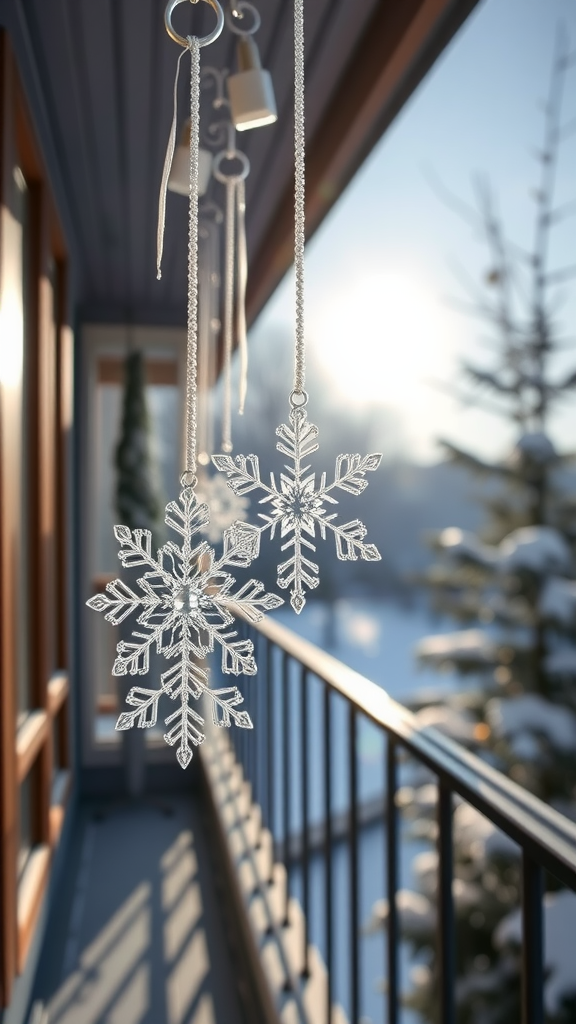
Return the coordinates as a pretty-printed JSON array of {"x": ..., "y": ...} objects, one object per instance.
[
  {"x": 192, "y": 329},
  {"x": 230, "y": 260},
  {"x": 299, "y": 198}
]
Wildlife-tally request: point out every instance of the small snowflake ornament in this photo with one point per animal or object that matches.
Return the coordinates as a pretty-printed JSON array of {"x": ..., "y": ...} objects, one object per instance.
[
  {"x": 185, "y": 610},
  {"x": 299, "y": 507},
  {"x": 226, "y": 508}
]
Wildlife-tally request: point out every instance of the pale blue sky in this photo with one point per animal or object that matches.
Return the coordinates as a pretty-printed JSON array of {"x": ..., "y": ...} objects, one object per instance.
[{"x": 379, "y": 270}]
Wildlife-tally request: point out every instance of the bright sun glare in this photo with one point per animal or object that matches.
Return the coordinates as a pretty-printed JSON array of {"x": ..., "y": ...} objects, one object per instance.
[{"x": 380, "y": 338}]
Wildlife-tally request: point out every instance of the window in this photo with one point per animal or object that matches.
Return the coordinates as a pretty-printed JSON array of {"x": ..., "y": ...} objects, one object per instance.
[
  {"x": 35, "y": 382},
  {"x": 105, "y": 350}
]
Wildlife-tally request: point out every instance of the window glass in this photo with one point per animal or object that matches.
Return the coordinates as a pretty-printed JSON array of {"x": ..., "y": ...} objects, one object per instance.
[
  {"x": 163, "y": 408},
  {"x": 24, "y": 693},
  {"x": 26, "y": 837},
  {"x": 56, "y": 738}
]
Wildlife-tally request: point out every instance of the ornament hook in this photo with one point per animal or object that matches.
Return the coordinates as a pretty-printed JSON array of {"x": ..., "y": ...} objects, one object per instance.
[
  {"x": 238, "y": 13},
  {"x": 231, "y": 155},
  {"x": 185, "y": 40}
]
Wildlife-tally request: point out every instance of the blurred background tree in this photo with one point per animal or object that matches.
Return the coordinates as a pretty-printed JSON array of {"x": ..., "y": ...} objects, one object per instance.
[
  {"x": 512, "y": 587},
  {"x": 138, "y": 499}
]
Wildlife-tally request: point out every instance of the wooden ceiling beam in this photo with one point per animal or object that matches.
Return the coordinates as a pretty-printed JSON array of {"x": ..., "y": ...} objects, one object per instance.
[{"x": 401, "y": 42}]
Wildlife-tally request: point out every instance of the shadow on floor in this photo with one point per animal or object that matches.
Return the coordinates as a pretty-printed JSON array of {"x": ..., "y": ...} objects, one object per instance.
[{"x": 136, "y": 935}]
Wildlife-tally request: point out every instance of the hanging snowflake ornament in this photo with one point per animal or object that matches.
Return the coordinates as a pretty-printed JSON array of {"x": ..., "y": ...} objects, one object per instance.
[
  {"x": 226, "y": 507},
  {"x": 185, "y": 607},
  {"x": 299, "y": 507},
  {"x": 186, "y": 602}
]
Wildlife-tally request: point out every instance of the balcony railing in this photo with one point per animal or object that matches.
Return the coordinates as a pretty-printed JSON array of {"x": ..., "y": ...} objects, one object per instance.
[{"x": 307, "y": 709}]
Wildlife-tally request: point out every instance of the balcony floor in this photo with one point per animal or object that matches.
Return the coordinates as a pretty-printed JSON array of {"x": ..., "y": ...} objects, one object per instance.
[{"x": 137, "y": 935}]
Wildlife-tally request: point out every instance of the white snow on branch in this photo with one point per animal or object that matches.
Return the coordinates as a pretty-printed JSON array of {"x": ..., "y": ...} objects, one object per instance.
[
  {"x": 478, "y": 836},
  {"x": 456, "y": 724},
  {"x": 537, "y": 447},
  {"x": 466, "y": 545},
  {"x": 558, "y": 600},
  {"x": 419, "y": 800},
  {"x": 467, "y": 646},
  {"x": 416, "y": 913},
  {"x": 559, "y": 944},
  {"x": 561, "y": 663},
  {"x": 425, "y": 869},
  {"x": 533, "y": 714},
  {"x": 539, "y": 549}
]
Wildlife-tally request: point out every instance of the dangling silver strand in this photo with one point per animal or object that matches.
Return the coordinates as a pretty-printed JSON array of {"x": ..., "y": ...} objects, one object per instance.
[
  {"x": 296, "y": 504},
  {"x": 234, "y": 273},
  {"x": 185, "y": 601},
  {"x": 299, "y": 196},
  {"x": 229, "y": 262},
  {"x": 241, "y": 282},
  {"x": 192, "y": 327}
]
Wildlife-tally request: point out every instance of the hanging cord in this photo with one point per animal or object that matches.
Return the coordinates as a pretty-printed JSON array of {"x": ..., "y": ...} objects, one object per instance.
[
  {"x": 204, "y": 341},
  {"x": 299, "y": 201},
  {"x": 192, "y": 326},
  {"x": 228, "y": 313},
  {"x": 241, "y": 282},
  {"x": 235, "y": 276},
  {"x": 215, "y": 325},
  {"x": 192, "y": 330},
  {"x": 193, "y": 44}
]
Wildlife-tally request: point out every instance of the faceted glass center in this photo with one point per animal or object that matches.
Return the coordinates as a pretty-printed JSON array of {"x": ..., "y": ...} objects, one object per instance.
[
  {"x": 302, "y": 503},
  {"x": 187, "y": 600},
  {"x": 299, "y": 503}
]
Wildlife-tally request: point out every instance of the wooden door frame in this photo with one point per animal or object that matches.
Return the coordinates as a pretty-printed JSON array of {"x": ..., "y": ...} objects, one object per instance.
[{"x": 27, "y": 747}]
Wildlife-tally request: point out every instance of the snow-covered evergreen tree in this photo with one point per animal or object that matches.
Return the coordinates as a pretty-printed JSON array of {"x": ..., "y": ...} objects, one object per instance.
[
  {"x": 512, "y": 591},
  {"x": 138, "y": 502}
]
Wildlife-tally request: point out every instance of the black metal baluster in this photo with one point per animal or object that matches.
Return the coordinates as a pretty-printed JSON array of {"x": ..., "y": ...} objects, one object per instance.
[
  {"x": 354, "y": 879},
  {"x": 261, "y": 737},
  {"x": 270, "y": 683},
  {"x": 250, "y": 734},
  {"x": 243, "y": 733},
  {"x": 286, "y": 779},
  {"x": 250, "y": 738},
  {"x": 532, "y": 942},
  {"x": 446, "y": 936},
  {"x": 305, "y": 833},
  {"x": 328, "y": 847},
  {"x": 255, "y": 737},
  {"x": 391, "y": 783}
]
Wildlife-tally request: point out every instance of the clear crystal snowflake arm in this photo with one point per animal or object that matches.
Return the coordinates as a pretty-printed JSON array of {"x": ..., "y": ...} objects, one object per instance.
[
  {"x": 296, "y": 505},
  {"x": 186, "y": 603}
]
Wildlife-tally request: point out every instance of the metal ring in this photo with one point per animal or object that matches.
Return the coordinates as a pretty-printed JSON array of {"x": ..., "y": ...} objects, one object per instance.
[
  {"x": 227, "y": 155},
  {"x": 298, "y": 399},
  {"x": 241, "y": 7},
  {"x": 186, "y": 40}
]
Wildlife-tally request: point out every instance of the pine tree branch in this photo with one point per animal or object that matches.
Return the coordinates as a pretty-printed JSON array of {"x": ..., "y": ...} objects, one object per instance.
[
  {"x": 478, "y": 465},
  {"x": 564, "y": 274},
  {"x": 465, "y": 399}
]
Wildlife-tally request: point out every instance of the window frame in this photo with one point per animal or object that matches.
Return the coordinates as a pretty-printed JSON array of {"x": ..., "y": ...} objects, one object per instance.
[{"x": 26, "y": 747}]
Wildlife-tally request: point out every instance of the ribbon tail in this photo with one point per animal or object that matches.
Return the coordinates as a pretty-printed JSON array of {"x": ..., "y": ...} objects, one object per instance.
[{"x": 166, "y": 175}]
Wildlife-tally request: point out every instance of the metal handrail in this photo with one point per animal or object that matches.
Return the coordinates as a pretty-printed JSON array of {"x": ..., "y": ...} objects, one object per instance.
[
  {"x": 547, "y": 839},
  {"x": 550, "y": 837}
]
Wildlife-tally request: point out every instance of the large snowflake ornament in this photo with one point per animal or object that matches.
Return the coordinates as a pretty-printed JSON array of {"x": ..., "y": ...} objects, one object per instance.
[
  {"x": 185, "y": 607},
  {"x": 297, "y": 505}
]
